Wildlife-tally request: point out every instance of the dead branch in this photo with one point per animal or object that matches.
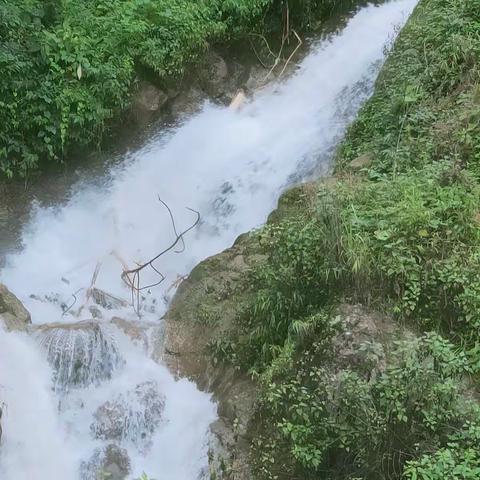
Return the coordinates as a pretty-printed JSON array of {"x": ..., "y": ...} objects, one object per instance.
[
  {"x": 264, "y": 65},
  {"x": 74, "y": 295},
  {"x": 300, "y": 43},
  {"x": 285, "y": 39},
  {"x": 132, "y": 277},
  {"x": 89, "y": 289},
  {"x": 270, "y": 52}
]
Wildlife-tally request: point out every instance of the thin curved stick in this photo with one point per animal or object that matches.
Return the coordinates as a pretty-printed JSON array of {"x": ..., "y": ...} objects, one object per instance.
[
  {"x": 132, "y": 277},
  {"x": 173, "y": 224},
  {"x": 300, "y": 43}
]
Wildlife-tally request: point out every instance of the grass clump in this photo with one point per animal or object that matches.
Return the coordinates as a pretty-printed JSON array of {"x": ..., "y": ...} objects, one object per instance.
[{"x": 316, "y": 420}]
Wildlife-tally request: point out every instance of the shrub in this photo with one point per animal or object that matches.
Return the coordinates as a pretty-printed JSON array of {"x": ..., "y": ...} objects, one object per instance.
[{"x": 341, "y": 425}]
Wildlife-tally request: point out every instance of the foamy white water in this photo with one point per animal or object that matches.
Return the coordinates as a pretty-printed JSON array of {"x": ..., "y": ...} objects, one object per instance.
[{"x": 231, "y": 167}]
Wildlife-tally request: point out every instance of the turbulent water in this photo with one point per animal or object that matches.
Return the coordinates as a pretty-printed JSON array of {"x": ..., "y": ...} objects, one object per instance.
[{"x": 73, "y": 392}]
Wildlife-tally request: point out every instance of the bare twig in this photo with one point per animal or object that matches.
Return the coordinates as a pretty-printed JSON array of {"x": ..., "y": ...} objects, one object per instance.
[
  {"x": 285, "y": 39},
  {"x": 132, "y": 277},
  {"x": 300, "y": 43},
  {"x": 264, "y": 65},
  {"x": 266, "y": 43},
  {"x": 89, "y": 289},
  {"x": 74, "y": 295}
]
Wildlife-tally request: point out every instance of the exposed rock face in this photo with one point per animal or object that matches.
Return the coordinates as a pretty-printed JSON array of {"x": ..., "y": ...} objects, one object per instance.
[
  {"x": 80, "y": 353},
  {"x": 149, "y": 98},
  {"x": 147, "y": 101},
  {"x": 202, "y": 308},
  {"x": 214, "y": 74},
  {"x": 133, "y": 416},
  {"x": 364, "y": 339},
  {"x": 12, "y": 312},
  {"x": 111, "y": 462},
  {"x": 188, "y": 102}
]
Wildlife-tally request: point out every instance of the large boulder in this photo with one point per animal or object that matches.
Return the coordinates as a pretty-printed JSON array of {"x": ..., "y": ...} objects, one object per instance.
[
  {"x": 147, "y": 100},
  {"x": 12, "y": 312},
  {"x": 133, "y": 416},
  {"x": 80, "y": 353},
  {"x": 110, "y": 462},
  {"x": 187, "y": 103},
  {"x": 213, "y": 75}
]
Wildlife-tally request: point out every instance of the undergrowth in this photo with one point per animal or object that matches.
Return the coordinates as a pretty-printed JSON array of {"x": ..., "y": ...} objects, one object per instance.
[{"x": 69, "y": 67}]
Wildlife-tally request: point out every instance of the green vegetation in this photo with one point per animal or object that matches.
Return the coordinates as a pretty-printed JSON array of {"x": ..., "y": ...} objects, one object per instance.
[
  {"x": 402, "y": 237},
  {"x": 69, "y": 66}
]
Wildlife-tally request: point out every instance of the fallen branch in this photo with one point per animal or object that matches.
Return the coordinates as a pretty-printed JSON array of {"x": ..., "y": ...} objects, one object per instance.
[
  {"x": 285, "y": 39},
  {"x": 300, "y": 43},
  {"x": 132, "y": 277}
]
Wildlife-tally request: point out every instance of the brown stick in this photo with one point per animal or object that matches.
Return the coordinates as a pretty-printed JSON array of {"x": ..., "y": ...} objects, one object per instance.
[{"x": 132, "y": 277}]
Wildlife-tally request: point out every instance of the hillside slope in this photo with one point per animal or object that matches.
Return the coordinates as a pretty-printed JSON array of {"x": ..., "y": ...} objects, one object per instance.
[{"x": 342, "y": 339}]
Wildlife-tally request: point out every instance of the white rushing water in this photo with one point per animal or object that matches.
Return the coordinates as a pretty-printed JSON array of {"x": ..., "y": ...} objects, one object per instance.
[{"x": 231, "y": 166}]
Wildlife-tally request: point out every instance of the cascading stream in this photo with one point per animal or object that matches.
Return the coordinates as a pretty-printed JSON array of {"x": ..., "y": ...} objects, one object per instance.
[{"x": 109, "y": 399}]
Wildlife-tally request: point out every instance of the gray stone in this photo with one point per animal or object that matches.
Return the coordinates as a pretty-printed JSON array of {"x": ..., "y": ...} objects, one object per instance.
[
  {"x": 146, "y": 102},
  {"x": 106, "y": 300},
  {"x": 12, "y": 312},
  {"x": 213, "y": 74},
  {"x": 187, "y": 103},
  {"x": 149, "y": 98},
  {"x": 363, "y": 161},
  {"x": 110, "y": 462},
  {"x": 257, "y": 78},
  {"x": 133, "y": 416},
  {"x": 95, "y": 311}
]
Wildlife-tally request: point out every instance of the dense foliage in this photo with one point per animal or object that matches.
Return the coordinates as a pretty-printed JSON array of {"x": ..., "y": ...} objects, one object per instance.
[
  {"x": 401, "y": 236},
  {"x": 346, "y": 425},
  {"x": 69, "y": 66}
]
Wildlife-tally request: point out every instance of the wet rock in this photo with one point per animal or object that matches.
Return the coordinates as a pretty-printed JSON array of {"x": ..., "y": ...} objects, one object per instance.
[
  {"x": 214, "y": 74},
  {"x": 258, "y": 78},
  {"x": 146, "y": 102},
  {"x": 80, "y": 353},
  {"x": 12, "y": 312},
  {"x": 106, "y": 300},
  {"x": 132, "y": 329},
  {"x": 95, "y": 312},
  {"x": 110, "y": 462},
  {"x": 136, "y": 331},
  {"x": 187, "y": 103},
  {"x": 133, "y": 416},
  {"x": 149, "y": 98}
]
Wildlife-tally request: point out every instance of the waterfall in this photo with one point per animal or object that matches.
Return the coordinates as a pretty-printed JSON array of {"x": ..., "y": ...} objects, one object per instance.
[
  {"x": 80, "y": 354},
  {"x": 82, "y": 395}
]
